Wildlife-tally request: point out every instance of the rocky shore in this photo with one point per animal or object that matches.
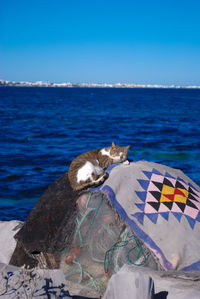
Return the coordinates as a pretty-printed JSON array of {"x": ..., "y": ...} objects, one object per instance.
[{"x": 70, "y": 244}]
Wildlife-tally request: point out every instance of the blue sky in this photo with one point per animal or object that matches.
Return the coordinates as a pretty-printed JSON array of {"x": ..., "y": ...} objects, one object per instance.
[{"x": 155, "y": 42}]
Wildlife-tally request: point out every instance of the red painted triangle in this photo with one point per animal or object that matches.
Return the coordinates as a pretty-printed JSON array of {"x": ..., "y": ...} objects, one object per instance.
[
  {"x": 179, "y": 192},
  {"x": 169, "y": 196}
]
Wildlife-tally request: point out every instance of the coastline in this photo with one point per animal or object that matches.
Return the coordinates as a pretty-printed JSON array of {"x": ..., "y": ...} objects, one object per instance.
[{"x": 4, "y": 83}]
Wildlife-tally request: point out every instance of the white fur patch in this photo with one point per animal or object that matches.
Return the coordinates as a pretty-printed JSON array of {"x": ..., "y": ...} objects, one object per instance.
[
  {"x": 104, "y": 152},
  {"x": 85, "y": 172}
]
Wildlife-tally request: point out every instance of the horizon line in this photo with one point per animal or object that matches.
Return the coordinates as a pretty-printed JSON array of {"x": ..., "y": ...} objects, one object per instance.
[{"x": 86, "y": 84}]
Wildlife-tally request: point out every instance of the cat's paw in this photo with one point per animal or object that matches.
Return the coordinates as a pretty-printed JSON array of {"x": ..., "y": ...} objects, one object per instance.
[{"x": 126, "y": 162}]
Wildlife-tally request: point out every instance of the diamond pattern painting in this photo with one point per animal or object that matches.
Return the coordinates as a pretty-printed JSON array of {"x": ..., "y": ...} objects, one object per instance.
[{"x": 165, "y": 194}]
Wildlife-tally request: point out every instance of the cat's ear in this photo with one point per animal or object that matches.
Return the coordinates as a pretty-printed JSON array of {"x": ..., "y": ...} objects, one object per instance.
[
  {"x": 113, "y": 144},
  {"x": 128, "y": 147}
]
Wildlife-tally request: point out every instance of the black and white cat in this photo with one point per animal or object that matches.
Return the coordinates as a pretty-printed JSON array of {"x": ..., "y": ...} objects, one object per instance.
[{"x": 90, "y": 168}]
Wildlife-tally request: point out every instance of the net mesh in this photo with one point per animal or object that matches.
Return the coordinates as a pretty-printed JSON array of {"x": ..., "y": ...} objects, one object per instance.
[{"x": 101, "y": 245}]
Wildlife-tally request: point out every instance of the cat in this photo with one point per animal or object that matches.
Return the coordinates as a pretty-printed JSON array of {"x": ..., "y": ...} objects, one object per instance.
[{"x": 89, "y": 168}]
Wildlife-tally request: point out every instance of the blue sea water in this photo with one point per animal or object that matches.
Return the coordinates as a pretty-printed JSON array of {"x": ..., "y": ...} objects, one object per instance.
[{"x": 43, "y": 129}]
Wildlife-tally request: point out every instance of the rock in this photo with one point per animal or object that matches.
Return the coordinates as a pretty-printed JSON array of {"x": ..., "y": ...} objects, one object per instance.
[
  {"x": 8, "y": 244},
  {"x": 22, "y": 283}
]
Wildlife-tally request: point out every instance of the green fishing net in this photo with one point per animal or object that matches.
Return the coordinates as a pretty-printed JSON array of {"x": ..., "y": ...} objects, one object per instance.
[{"x": 101, "y": 245}]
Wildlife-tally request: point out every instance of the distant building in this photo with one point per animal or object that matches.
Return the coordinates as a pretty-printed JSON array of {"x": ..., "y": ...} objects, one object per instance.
[{"x": 68, "y": 84}]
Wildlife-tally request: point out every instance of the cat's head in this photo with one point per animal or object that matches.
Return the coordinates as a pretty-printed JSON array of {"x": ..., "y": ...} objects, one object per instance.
[{"x": 119, "y": 153}]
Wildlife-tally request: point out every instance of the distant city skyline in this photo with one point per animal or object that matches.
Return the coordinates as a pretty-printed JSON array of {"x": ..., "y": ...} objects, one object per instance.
[
  {"x": 146, "y": 42},
  {"x": 93, "y": 85}
]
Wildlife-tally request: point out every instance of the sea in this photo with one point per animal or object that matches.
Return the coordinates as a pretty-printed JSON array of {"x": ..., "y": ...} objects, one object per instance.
[{"x": 42, "y": 129}]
